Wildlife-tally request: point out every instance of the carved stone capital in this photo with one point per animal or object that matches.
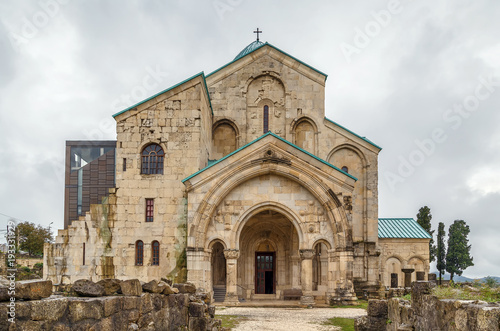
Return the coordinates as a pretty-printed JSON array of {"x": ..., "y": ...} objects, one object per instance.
[
  {"x": 232, "y": 254},
  {"x": 306, "y": 254}
]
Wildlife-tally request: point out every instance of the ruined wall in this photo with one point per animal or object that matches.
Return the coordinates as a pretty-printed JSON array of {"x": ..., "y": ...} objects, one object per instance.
[
  {"x": 144, "y": 311},
  {"x": 427, "y": 312}
]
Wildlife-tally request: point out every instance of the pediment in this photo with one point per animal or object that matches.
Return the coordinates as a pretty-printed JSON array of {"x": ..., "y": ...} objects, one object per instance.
[
  {"x": 272, "y": 52},
  {"x": 272, "y": 151}
]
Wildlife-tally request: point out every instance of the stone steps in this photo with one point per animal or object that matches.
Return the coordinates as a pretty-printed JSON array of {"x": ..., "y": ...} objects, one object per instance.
[{"x": 219, "y": 293}]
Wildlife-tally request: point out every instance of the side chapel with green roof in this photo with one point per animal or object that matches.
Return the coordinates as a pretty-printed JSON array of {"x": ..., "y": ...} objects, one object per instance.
[{"x": 236, "y": 181}]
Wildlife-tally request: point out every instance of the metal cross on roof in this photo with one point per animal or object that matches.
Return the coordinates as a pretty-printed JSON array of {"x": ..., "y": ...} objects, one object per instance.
[{"x": 257, "y": 32}]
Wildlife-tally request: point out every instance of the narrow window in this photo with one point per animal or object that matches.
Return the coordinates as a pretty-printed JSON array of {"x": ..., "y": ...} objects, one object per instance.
[
  {"x": 83, "y": 254},
  {"x": 152, "y": 160},
  {"x": 139, "y": 252},
  {"x": 156, "y": 253},
  {"x": 266, "y": 119},
  {"x": 345, "y": 169},
  {"x": 150, "y": 204},
  {"x": 124, "y": 164}
]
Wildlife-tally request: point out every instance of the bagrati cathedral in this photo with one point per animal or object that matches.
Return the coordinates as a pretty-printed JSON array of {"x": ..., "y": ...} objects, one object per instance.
[{"x": 237, "y": 182}]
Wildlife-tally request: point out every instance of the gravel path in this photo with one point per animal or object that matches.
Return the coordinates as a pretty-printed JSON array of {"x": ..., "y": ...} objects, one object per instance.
[{"x": 288, "y": 319}]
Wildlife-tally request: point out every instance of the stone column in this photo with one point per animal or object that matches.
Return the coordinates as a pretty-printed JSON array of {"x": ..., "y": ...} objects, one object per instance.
[
  {"x": 232, "y": 256},
  {"x": 196, "y": 265},
  {"x": 333, "y": 261},
  {"x": 407, "y": 271},
  {"x": 306, "y": 277}
]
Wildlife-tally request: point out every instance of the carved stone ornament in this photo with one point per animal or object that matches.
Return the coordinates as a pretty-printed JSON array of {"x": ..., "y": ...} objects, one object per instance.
[
  {"x": 348, "y": 203},
  {"x": 232, "y": 253},
  {"x": 306, "y": 254}
]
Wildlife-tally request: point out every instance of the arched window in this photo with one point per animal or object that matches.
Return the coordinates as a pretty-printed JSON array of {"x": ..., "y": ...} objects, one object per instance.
[
  {"x": 155, "y": 253},
  {"x": 345, "y": 169},
  {"x": 266, "y": 119},
  {"x": 152, "y": 160},
  {"x": 139, "y": 252}
]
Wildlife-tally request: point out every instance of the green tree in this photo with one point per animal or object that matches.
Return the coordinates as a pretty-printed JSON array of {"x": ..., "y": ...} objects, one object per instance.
[
  {"x": 441, "y": 251},
  {"x": 32, "y": 237},
  {"x": 458, "y": 257},
  {"x": 424, "y": 219}
]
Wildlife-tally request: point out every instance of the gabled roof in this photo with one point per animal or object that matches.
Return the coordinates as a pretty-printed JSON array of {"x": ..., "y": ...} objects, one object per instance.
[
  {"x": 202, "y": 74},
  {"x": 257, "y": 45},
  {"x": 401, "y": 228},
  {"x": 357, "y": 135},
  {"x": 269, "y": 133}
]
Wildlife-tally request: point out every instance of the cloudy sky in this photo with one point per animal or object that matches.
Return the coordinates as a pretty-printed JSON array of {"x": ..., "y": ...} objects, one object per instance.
[{"x": 420, "y": 79}]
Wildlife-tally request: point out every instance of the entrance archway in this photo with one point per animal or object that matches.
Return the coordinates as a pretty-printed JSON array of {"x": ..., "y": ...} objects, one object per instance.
[{"x": 269, "y": 260}]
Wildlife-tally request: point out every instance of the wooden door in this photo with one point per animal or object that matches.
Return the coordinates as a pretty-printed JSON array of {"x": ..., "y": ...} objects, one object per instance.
[{"x": 265, "y": 275}]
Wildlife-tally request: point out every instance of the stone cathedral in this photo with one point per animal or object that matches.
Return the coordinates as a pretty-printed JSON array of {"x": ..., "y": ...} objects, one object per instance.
[{"x": 236, "y": 181}]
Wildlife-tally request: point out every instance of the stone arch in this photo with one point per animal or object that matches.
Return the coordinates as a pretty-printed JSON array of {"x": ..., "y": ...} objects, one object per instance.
[
  {"x": 225, "y": 135},
  {"x": 213, "y": 240},
  {"x": 270, "y": 205},
  {"x": 322, "y": 240},
  {"x": 393, "y": 276},
  {"x": 320, "y": 262},
  {"x": 305, "y": 134},
  {"x": 356, "y": 162},
  {"x": 330, "y": 203},
  {"x": 418, "y": 257}
]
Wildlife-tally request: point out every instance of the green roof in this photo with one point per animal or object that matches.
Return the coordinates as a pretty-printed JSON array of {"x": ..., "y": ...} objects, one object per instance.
[
  {"x": 255, "y": 46},
  {"x": 269, "y": 133},
  {"x": 202, "y": 74},
  {"x": 249, "y": 49},
  {"x": 401, "y": 228},
  {"x": 357, "y": 135}
]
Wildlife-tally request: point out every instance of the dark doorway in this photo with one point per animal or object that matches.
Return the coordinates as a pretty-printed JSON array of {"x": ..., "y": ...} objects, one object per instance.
[
  {"x": 394, "y": 280},
  {"x": 218, "y": 265},
  {"x": 264, "y": 272}
]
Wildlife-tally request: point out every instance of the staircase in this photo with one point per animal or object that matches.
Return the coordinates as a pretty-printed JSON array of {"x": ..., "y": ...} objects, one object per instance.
[{"x": 219, "y": 293}]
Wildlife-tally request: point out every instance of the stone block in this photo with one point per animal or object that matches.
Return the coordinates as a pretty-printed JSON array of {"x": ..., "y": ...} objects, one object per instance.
[
  {"x": 81, "y": 309},
  {"x": 153, "y": 287},
  {"x": 170, "y": 290},
  {"x": 211, "y": 311},
  {"x": 111, "y": 285},
  {"x": 196, "y": 309},
  {"x": 111, "y": 305},
  {"x": 33, "y": 289},
  {"x": 87, "y": 288},
  {"x": 377, "y": 308},
  {"x": 198, "y": 323},
  {"x": 178, "y": 312},
  {"x": 185, "y": 288},
  {"x": 4, "y": 293},
  {"x": 369, "y": 323},
  {"x": 146, "y": 303},
  {"x": 131, "y": 287},
  {"x": 49, "y": 309}
]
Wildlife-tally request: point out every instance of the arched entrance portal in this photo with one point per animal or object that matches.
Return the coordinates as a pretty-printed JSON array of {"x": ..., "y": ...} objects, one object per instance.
[{"x": 269, "y": 260}]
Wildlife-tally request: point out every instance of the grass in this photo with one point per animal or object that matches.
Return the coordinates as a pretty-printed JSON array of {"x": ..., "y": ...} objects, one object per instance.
[
  {"x": 483, "y": 293},
  {"x": 363, "y": 304},
  {"x": 347, "y": 324},
  {"x": 230, "y": 321}
]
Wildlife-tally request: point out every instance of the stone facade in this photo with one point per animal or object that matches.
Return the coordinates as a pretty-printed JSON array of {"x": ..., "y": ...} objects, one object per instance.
[
  {"x": 403, "y": 254},
  {"x": 275, "y": 209}
]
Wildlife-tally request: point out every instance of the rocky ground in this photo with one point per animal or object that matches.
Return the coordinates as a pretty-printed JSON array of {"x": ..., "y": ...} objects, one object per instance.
[{"x": 288, "y": 319}]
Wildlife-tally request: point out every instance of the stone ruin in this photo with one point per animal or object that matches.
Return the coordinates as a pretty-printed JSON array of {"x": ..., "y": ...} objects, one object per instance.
[
  {"x": 426, "y": 312},
  {"x": 109, "y": 304}
]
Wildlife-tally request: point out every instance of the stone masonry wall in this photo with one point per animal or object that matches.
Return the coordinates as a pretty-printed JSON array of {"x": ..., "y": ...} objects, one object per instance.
[
  {"x": 427, "y": 312},
  {"x": 137, "y": 310}
]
